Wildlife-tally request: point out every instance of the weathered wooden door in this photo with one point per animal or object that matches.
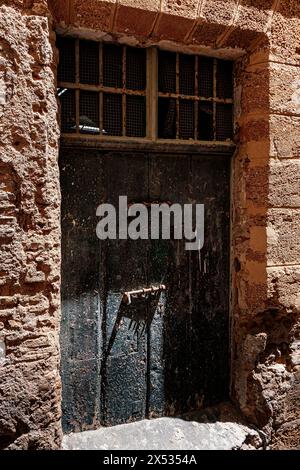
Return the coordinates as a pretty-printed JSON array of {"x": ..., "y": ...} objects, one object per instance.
[{"x": 163, "y": 354}]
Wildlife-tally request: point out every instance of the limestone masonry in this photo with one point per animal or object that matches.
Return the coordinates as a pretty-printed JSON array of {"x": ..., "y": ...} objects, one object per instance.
[{"x": 263, "y": 37}]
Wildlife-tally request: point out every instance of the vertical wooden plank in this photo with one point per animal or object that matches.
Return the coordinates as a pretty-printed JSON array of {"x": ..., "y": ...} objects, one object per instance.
[
  {"x": 168, "y": 264},
  {"x": 80, "y": 340},
  {"x": 123, "y": 388},
  {"x": 77, "y": 78},
  {"x": 124, "y": 91},
  {"x": 101, "y": 83},
  {"x": 214, "y": 97},
  {"x": 177, "y": 92},
  {"x": 210, "y": 281},
  {"x": 196, "y": 104}
]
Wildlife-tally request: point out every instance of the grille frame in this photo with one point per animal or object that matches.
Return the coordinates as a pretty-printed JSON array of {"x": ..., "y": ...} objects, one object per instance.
[{"x": 152, "y": 95}]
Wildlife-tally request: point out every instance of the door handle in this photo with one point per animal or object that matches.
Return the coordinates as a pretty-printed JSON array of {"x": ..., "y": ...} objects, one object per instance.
[{"x": 141, "y": 292}]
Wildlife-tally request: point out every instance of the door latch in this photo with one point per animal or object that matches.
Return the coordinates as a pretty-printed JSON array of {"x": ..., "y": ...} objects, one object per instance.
[{"x": 127, "y": 296}]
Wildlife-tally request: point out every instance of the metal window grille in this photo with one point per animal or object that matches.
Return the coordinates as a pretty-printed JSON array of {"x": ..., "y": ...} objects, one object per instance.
[
  {"x": 186, "y": 119},
  {"x": 109, "y": 90},
  {"x": 66, "y": 66},
  {"x": 186, "y": 74},
  {"x": 89, "y": 112},
  {"x": 89, "y": 62},
  {"x": 112, "y": 113},
  {"x": 224, "y": 79},
  {"x": 223, "y": 121},
  {"x": 135, "y": 116},
  {"x": 112, "y": 65},
  {"x": 167, "y": 72},
  {"x": 205, "y": 77},
  {"x": 195, "y": 97},
  {"x": 135, "y": 68},
  {"x": 68, "y": 110},
  {"x": 206, "y": 121}
]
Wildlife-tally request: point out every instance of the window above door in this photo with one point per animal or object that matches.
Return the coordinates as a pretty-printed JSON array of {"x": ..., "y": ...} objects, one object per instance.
[{"x": 110, "y": 91}]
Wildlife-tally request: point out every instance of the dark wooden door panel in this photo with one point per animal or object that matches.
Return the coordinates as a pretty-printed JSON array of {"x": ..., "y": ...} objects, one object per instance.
[
  {"x": 210, "y": 282},
  {"x": 162, "y": 354},
  {"x": 81, "y": 314},
  {"x": 168, "y": 182},
  {"x": 124, "y": 267}
]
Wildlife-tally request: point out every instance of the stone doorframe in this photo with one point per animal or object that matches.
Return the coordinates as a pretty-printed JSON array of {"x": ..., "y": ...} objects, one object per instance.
[{"x": 263, "y": 38}]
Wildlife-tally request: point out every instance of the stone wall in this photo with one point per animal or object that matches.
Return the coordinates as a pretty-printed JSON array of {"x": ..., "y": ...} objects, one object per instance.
[
  {"x": 265, "y": 198},
  {"x": 266, "y": 236},
  {"x": 29, "y": 230}
]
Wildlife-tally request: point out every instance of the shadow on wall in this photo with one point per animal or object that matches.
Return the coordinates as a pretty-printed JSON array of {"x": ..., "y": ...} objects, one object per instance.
[{"x": 263, "y": 328}]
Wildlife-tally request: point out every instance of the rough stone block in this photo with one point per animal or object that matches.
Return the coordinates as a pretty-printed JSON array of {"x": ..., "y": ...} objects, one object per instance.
[
  {"x": 137, "y": 20},
  {"x": 172, "y": 28},
  {"x": 207, "y": 33},
  {"x": 26, "y": 165},
  {"x": 285, "y": 136},
  {"x": 257, "y": 185},
  {"x": 219, "y": 11},
  {"x": 255, "y": 153},
  {"x": 145, "y": 5},
  {"x": 287, "y": 436},
  {"x": 289, "y": 8},
  {"x": 181, "y": 8},
  {"x": 252, "y": 295},
  {"x": 295, "y": 355},
  {"x": 92, "y": 14},
  {"x": 285, "y": 89},
  {"x": 283, "y": 285},
  {"x": 253, "y": 15},
  {"x": 258, "y": 239},
  {"x": 284, "y": 33},
  {"x": 256, "y": 90},
  {"x": 283, "y": 236},
  {"x": 176, "y": 19},
  {"x": 241, "y": 38},
  {"x": 60, "y": 10},
  {"x": 227, "y": 433},
  {"x": 256, "y": 272},
  {"x": 255, "y": 130},
  {"x": 284, "y": 183}
]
